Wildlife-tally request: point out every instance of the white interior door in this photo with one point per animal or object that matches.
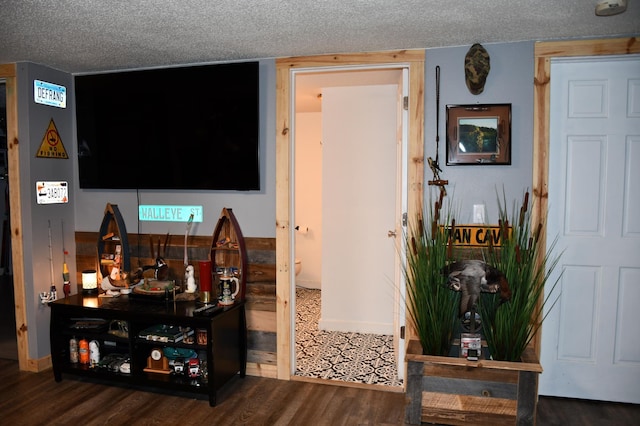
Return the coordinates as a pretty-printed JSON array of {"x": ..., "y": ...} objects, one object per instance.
[
  {"x": 360, "y": 139},
  {"x": 590, "y": 345}
]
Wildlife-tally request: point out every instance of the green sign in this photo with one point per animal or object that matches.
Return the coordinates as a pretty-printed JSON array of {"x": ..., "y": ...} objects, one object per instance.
[{"x": 161, "y": 213}]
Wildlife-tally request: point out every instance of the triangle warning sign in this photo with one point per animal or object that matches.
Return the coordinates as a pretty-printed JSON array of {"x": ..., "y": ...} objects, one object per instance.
[{"x": 52, "y": 146}]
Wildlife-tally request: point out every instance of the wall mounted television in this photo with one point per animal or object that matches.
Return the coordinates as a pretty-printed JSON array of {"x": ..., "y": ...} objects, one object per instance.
[{"x": 183, "y": 128}]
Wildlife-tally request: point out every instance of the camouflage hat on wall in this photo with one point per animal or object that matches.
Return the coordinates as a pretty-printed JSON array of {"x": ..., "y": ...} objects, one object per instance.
[{"x": 476, "y": 68}]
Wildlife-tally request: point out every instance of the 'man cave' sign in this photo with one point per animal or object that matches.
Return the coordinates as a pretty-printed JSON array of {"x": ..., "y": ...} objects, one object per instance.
[{"x": 477, "y": 235}]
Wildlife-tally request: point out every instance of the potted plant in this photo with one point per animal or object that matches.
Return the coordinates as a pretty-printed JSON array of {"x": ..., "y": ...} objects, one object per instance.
[
  {"x": 510, "y": 327},
  {"x": 450, "y": 390}
]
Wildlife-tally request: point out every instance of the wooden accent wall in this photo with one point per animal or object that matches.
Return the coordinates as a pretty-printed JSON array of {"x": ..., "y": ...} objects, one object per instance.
[{"x": 261, "y": 282}]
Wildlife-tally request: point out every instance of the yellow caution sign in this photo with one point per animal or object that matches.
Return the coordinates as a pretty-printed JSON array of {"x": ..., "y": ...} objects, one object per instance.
[{"x": 52, "y": 146}]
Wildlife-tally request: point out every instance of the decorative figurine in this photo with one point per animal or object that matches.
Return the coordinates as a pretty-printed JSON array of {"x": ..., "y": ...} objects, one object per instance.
[
  {"x": 190, "y": 279},
  {"x": 435, "y": 168}
]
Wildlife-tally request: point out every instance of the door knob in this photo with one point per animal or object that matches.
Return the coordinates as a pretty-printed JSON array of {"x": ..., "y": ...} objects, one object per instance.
[{"x": 391, "y": 234}]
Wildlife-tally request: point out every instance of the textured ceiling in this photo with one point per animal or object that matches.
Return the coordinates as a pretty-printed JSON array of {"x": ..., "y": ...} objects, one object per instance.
[{"x": 80, "y": 36}]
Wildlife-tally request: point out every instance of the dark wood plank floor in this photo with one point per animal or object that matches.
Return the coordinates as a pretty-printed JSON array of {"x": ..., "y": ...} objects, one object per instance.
[{"x": 36, "y": 399}]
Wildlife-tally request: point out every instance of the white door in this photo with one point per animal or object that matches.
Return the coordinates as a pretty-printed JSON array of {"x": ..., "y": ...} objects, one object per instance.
[
  {"x": 359, "y": 182},
  {"x": 590, "y": 340}
]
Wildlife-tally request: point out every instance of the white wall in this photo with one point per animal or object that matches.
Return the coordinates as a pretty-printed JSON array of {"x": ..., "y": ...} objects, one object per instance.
[{"x": 308, "y": 197}]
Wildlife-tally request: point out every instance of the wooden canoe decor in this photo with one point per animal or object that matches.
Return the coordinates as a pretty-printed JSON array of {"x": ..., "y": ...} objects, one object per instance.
[{"x": 228, "y": 250}]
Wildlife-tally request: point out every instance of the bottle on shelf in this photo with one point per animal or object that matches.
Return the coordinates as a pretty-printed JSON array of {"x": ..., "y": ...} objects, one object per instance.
[
  {"x": 73, "y": 350},
  {"x": 83, "y": 351}
]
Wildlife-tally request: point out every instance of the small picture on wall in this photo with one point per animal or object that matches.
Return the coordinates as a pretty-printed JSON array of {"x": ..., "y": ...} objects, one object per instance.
[{"x": 479, "y": 134}]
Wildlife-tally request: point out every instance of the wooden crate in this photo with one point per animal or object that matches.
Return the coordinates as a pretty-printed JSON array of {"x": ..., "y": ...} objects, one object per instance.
[{"x": 455, "y": 391}]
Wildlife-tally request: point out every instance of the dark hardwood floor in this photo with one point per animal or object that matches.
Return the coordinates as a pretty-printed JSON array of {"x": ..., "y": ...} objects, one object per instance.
[{"x": 36, "y": 399}]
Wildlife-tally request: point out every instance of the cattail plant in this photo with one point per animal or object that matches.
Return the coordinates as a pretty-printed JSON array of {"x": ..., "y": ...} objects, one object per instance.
[
  {"x": 510, "y": 327},
  {"x": 432, "y": 306}
]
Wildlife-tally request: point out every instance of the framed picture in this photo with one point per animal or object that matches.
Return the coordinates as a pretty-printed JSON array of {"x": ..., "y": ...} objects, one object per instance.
[{"x": 479, "y": 134}]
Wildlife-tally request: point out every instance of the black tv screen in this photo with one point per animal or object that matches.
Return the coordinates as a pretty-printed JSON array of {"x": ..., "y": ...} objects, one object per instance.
[{"x": 193, "y": 127}]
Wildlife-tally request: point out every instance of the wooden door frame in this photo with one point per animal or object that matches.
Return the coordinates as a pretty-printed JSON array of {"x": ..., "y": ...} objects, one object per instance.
[
  {"x": 544, "y": 52},
  {"x": 9, "y": 73},
  {"x": 414, "y": 59}
]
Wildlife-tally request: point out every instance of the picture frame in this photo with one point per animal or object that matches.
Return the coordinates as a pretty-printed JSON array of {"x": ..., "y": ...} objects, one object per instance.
[{"x": 479, "y": 134}]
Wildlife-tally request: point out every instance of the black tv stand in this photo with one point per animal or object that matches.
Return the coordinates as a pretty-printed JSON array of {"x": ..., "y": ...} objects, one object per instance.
[{"x": 81, "y": 317}]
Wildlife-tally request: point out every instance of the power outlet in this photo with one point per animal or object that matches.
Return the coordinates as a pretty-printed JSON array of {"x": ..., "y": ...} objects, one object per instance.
[{"x": 478, "y": 213}]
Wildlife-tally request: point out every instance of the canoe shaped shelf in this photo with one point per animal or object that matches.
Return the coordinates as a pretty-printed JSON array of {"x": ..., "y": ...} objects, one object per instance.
[
  {"x": 113, "y": 244},
  {"x": 228, "y": 250}
]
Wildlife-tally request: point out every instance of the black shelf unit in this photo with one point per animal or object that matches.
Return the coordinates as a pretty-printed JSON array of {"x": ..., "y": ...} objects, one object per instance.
[{"x": 225, "y": 351}]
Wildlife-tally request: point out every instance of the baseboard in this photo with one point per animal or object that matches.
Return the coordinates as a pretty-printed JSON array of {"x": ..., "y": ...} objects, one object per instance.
[
  {"x": 40, "y": 364},
  {"x": 262, "y": 370},
  {"x": 355, "y": 327},
  {"x": 310, "y": 284}
]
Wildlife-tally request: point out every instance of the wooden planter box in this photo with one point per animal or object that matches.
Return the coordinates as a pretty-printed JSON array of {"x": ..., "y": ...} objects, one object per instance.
[{"x": 454, "y": 391}]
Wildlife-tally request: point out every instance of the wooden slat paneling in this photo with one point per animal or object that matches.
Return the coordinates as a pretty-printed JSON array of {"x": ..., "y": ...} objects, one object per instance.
[{"x": 467, "y": 410}]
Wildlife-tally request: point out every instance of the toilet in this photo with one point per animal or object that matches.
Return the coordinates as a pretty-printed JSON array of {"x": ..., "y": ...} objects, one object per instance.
[{"x": 298, "y": 266}]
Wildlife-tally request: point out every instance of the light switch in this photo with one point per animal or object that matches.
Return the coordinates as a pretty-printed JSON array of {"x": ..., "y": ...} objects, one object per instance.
[{"x": 478, "y": 213}]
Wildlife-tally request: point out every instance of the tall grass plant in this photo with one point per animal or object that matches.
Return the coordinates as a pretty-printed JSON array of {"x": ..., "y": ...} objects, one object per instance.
[
  {"x": 432, "y": 306},
  {"x": 527, "y": 265}
]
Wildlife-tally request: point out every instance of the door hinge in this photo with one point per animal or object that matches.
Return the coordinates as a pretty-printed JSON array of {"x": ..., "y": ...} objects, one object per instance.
[
  {"x": 404, "y": 219},
  {"x": 405, "y": 103},
  {"x": 402, "y": 332}
]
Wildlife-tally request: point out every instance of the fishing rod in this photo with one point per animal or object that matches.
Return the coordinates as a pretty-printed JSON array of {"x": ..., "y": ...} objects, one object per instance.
[{"x": 66, "y": 286}]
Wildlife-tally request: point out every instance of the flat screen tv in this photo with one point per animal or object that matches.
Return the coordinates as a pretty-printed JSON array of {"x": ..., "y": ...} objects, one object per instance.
[{"x": 180, "y": 128}]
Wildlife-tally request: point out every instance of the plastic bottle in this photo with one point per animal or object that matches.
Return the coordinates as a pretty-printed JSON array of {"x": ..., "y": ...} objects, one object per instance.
[
  {"x": 94, "y": 353},
  {"x": 83, "y": 351},
  {"x": 73, "y": 350}
]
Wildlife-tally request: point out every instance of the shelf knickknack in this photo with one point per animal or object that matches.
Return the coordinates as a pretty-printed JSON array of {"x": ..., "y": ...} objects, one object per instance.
[{"x": 113, "y": 233}]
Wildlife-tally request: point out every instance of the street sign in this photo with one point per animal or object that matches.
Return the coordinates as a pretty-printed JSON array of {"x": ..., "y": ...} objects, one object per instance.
[{"x": 166, "y": 213}]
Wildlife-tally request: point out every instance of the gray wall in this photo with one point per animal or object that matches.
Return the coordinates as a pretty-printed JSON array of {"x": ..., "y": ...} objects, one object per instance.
[
  {"x": 33, "y": 121},
  {"x": 510, "y": 81}
]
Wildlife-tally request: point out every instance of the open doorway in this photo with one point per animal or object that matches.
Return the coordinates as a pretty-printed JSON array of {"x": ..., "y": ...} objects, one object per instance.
[
  {"x": 285, "y": 289},
  {"x": 348, "y": 198},
  {"x": 8, "y": 338}
]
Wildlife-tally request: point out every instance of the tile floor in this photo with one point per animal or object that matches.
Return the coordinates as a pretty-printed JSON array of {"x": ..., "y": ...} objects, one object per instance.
[{"x": 351, "y": 357}]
